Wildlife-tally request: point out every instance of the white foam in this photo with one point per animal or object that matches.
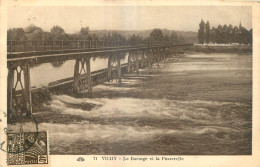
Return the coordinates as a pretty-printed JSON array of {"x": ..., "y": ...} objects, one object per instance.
[
  {"x": 196, "y": 111},
  {"x": 62, "y": 134}
]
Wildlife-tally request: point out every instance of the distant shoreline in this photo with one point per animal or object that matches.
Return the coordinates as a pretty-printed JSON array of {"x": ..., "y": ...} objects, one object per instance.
[{"x": 222, "y": 48}]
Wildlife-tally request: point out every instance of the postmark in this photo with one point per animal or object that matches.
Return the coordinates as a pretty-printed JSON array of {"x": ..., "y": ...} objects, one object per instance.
[
  {"x": 25, "y": 147},
  {"x": 8, "y": 131},
  {"x": 34, "y": 145}
]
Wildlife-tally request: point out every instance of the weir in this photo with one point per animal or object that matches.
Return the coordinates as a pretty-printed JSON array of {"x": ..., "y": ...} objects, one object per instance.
[{"x": 84, "y": 79}]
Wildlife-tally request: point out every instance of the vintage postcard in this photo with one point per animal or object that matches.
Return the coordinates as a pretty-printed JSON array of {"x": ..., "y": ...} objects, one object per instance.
[{"x": 129, "y": 83}]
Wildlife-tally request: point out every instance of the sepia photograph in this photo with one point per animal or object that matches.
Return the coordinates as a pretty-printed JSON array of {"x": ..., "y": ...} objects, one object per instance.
[{"x": 128, "y": 80}]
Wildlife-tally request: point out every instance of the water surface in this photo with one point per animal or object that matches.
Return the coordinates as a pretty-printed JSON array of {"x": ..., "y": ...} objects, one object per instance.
[{"x": 195, "y": 104}]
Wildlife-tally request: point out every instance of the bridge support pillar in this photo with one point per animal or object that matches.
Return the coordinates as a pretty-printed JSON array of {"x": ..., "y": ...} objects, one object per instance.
[
  {"x": 25, "y": 102},
  {"x": 158, "y": 57},
  {"x": 164, "y": 55},
  {"x": 142, "y": 65},
  {"x": 80, "y": 83},
  {"x": 109, "y": 72},
  {"x": 129, "y": 62},
  {"x": 89, "y": 75},
  {"x": 154, "y": 57},
  {"x": 149, "y": 59},
  {"x": 76, "y": 77},
  {"x": 10, "y": 85},
  {"x": 137, "y": 64},
  {"x": 119, "y": 69},
  {"x": 27, "y": 89}
]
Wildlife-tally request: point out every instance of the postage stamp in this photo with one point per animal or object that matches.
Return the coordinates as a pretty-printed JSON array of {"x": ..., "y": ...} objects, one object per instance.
[{"x": 33, "y": 144}]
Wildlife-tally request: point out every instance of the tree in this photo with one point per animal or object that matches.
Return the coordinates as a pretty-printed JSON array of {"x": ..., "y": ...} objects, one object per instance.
[
  {"x": 47, "y": 36},
  {"x": 32, "y": 28},
  {"x": 181, "y": 40},
  {"x": 207, "y": 35},
  {"x": 84, "y": 32},
  {"x": 235, "y": 35},
  {"x": 16, "y": 34},
  {"x": 166, "y": 38},
  {"x": 213, "y": 35},
  {"x": 250, "y": 36},
  {"x": 230, "y": 33},
  {"x": 33, "y": 32},
  {"x": 174, "y": 38},
  {"x": 245, "y": 36},
  {"x": 57, "y": 30},
  {"x": 201, "y": 32},
  {"x": 156, "y": 35},
  {"x": 58, "y": 33},
  {"x": 219, "y": 34},
  {"x": 134, "y": 40},
  {"x": 225, "y": 33}
]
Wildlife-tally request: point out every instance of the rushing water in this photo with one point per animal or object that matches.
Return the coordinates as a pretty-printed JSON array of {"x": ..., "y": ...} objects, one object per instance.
[{"x": 193, "y": 104}]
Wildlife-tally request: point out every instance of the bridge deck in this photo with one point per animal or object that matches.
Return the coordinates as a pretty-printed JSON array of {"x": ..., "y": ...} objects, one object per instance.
[{"x": 46, "y": 57}]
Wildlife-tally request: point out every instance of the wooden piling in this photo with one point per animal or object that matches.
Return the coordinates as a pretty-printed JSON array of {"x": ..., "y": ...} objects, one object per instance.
[
  {"x": 109, "y": 72},
  {"x": 25, "y": 47},
  {"x": 36, "y": 47},
  {"x": 27, "y": 89},
  {"x": 149, "y": 59},
  {"x": 76, "y": 77},
  {"x": 43, "y": 42},
  {"x": 137, "y": 63},
  {"x": 119, "y": 69},
  {"x": 158, "y": 57},
  {"x": 154, "y": 57},
  {"x": 129, "y": 63},
  {"x": 11, "y": 47},
  {"x": 142, "y": 63},
  {"x": 62, "y": 47},
  {"x": 10, "y": 85},
  {"x": 52, "y": 46},
  {"x": 164, "y": 55},
  {"x": 89, "y": 75}
]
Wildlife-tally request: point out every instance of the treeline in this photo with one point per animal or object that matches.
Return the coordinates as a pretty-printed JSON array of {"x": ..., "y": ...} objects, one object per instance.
[
  {"x": 223, "y": 34},
  {"x": 32, "y": 33},
  {"x": 157, "y": 36},
  {"x": 35, "y": 33}
]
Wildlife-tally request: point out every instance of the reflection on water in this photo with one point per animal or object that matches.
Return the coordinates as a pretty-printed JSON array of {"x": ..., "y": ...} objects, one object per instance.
[
  {"x": 43, "y": 74},
  {"x": 57, "y": 64}
]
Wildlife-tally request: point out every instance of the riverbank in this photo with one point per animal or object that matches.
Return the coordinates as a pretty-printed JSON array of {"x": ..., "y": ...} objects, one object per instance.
[{"x": 222, "y": 48}]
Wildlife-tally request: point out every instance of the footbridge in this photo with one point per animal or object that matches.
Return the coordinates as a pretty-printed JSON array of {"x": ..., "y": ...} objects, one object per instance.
[{"x": 22, "y": 55}]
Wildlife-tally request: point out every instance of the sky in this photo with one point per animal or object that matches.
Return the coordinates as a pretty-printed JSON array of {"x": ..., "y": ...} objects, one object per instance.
[{"x": 182, "y": 18}]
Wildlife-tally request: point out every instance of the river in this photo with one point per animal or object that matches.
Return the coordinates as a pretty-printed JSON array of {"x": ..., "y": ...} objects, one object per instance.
[{"x": 194, "y": 104}]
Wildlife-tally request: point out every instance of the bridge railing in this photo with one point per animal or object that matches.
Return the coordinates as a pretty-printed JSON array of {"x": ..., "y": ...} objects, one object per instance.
[{"x": 16, "y": 47}]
